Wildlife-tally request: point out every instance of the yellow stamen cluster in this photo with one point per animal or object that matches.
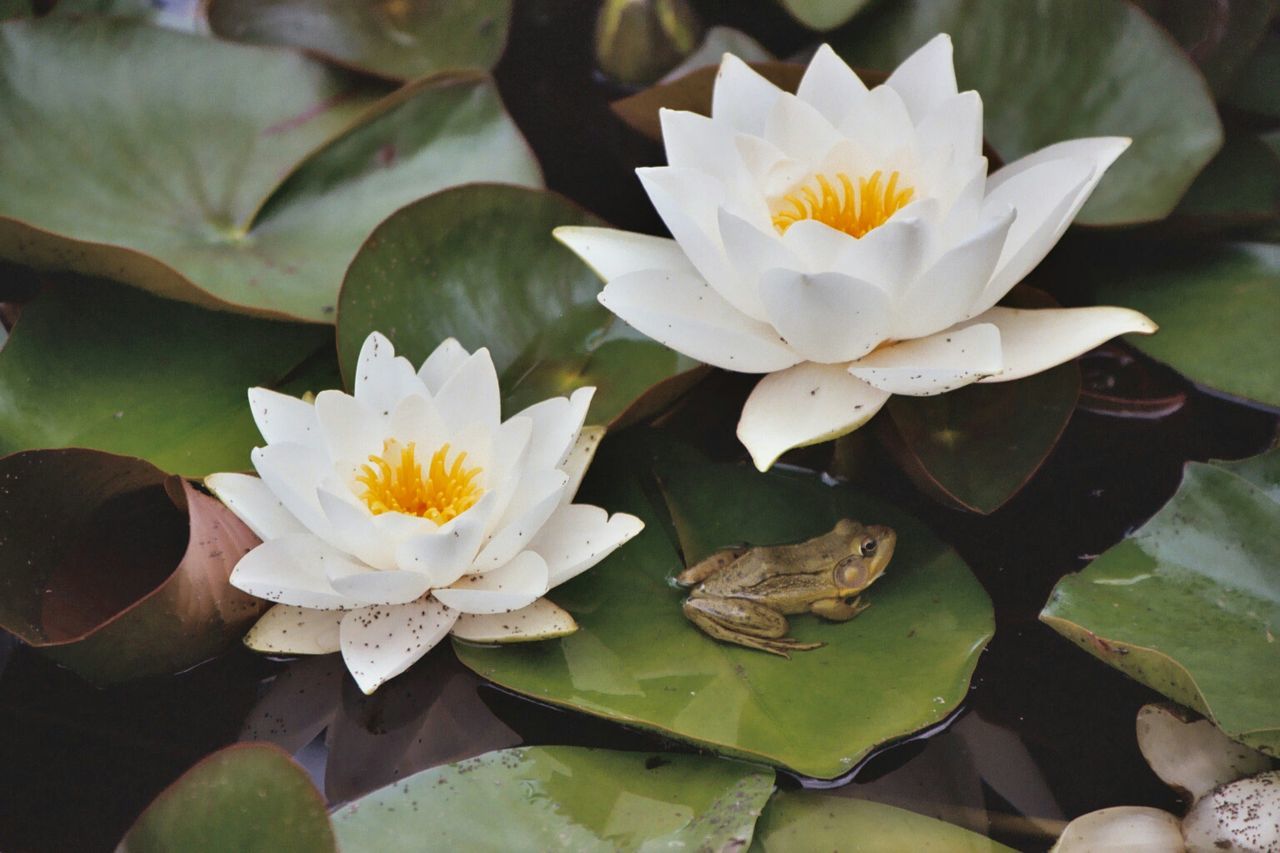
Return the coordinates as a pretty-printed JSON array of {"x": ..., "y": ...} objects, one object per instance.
[
  {"x": 395, "y": 482},
  {"x": 853, "y": 210}
]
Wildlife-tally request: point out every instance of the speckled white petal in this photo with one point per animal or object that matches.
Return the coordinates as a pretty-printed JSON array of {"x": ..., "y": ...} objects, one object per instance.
[
  {"x": 612, "y": 253},
  {"x": 372, "y": 586},
  {"x": 826, "y": 317},
  {"x": 1122, "y": 829},
  {"x": 289, "y": 630},
  {"x": 831, "y": 86},
  {"x": 378, "y": 643},
  {"x": 556, "y": 423},
  {"x": 383, "y": 378},
  {"x": 942, "y": 295},
  {"x": 926, "y": 77},
  {"x": 293, "y": 570},
  {"x": 806, "y": 404},
  {"x": 542, "y": 620},
  {"x": 800, "y": 130},
  {"x": 254, "y": 504},
  {"x": 579, "y": 459},
  {"x": 578, "y": 536},
  {"x": 471, "y": 395},
  {"x": 352, "y": 528},
  {"x": 351, "y": 431},
  {"x": 519, "y": 583},
  {"x": 281, "y": 418},
  {"x": 934, "y": 364},
  {"x": 686, "y": 314},
  {"x": 535, "y": 498},
  {"x": 1035, "y": 340},
  {"x": 292, "y": 472},
  {"x": 741, "y": 97},
  {"x": 444, "y": 553},
  {"x": 417, "y": 420},
  {"x": 443, "y": 362}
]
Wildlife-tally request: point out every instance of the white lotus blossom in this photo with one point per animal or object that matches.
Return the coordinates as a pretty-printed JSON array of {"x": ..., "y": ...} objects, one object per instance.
[
  {"x": 411, "y": 510},
  {"x": 849, "y": 244}
]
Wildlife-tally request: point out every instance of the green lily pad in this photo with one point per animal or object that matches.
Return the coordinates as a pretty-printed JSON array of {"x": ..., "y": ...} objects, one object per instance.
[
  {"x": 252, "y": 194},
  {"x": 1254, "y": 89},
  {"x": 1220, "y": 37},
  {"x": 478, "y": 263},
  {"x": 116, "y": 569},
  {"x": 1049, "y": 71},
  {"x": 248, "y": 798},
  {"x": 563, "y": 798},
  {"x": 1190, "y": 603},
  {"x": 400, "y": 40},
  {"x": 823, "y": 14},
  {"x": 807, "y": 820},
  {"x": 637, "y": 660},
  {"x": 93, "y": 364},
  {"x": 1217, "y": 307},
  {"x": 1240, "y": 186}
]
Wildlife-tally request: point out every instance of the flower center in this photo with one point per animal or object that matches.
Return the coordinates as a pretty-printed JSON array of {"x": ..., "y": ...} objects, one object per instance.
[
  {"x": 395, "y": 482},
  {"x": 853, "y": 209}
]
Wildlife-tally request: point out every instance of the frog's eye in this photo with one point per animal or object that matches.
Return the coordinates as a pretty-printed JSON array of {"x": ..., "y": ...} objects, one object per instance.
[{"x": 868, "y": 546}]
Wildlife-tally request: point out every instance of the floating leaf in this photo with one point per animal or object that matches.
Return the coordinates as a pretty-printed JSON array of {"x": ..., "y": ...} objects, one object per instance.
[
  {"x": 400, "y": 40},
  {"x": 250, "y": 798},
  {"x": 88, "y": 572},
  {"x": 479, "y": 263},
  {"x": 806, "y": 820},
  {"x": 636, "y": 659},
  {"x": 1240, "y": 186},
  {"x": 92, "y": 364},
  {"x": 217, "y": 194},
  {"x": 1190, "y": 603},
  {"x": 562, "y": 798},
  {"x": 823, "y": 14},
  {"x": 1254, "y": 89},
  {"x": 1049, "y": 71},
  {"x": 1219, "y": 36},
  {"x": 1217, "y": 307}
]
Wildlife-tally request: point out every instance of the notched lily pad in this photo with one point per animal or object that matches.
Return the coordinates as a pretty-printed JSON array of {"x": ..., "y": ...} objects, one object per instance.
[
  {"x": 563, "y": 798},
  {"x": 902, "y": 665},
  {"x": 116, "y": 569},
  {"x": 478, "y": 263},
  {"x": 1190, "y": 603}
]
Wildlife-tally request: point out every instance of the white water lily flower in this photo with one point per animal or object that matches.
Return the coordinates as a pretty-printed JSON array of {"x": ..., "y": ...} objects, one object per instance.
[
  {"x": 412, "y": 510},
  {"x": 849, "y": 244}
]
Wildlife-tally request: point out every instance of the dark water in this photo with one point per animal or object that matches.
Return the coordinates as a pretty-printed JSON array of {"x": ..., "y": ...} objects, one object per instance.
[{"x": 1045, "y": 734}]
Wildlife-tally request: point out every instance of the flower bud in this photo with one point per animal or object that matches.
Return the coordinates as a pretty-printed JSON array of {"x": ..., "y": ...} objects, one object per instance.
[{"x": 637, "y": 41}]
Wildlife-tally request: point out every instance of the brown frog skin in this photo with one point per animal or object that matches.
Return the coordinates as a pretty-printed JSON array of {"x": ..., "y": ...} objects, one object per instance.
[{"x": 744, "y": 595}]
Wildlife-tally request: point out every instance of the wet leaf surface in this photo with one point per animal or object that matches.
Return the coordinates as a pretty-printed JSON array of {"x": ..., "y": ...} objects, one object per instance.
[
  {"x": 563, "y": 798},
  {"x": 1240, "y": 186},
  {"x": 823, "y": 14}
]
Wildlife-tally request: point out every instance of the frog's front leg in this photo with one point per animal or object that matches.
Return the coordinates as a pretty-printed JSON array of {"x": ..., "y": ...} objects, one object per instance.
[
  {"x": 746, "y": 623},
  {"x": 839, "y": 609}
]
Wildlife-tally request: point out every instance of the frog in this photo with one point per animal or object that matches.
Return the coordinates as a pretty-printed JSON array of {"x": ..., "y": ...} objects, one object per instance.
[{"x": 744, "y": 594}]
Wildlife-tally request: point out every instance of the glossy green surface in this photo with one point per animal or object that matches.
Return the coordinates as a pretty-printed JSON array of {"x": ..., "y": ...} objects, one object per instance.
[
  {"x": 1241, "y": 185},
  {"x": 902, "y": 665},
  {"x": 562, "y": 798},
  {"x": 399, "y": 40},
  {"x": 98, "y": 365},
  {"x": 478, "y": 263},
  {"x": 1219, "y": 36},
  {"x": 222, "y": 194},
  {"x": 1218, "y": 309},
  {"x": 247, "y": 798},
  {"x": 808, "y": 820},
  {"x": 1190, "y": 603},
  {"x": 1049, "y": 71},
  {"x": 823, "y": 14}
]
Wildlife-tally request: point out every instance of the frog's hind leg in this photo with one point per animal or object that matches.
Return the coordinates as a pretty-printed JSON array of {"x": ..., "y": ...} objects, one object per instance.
[
  {"x": 699, "y": 572},
  {"x": 745, "y": 623}
]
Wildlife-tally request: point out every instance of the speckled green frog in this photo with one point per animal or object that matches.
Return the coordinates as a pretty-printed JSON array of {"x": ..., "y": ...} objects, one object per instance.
[{"x": 744, "y": 595}]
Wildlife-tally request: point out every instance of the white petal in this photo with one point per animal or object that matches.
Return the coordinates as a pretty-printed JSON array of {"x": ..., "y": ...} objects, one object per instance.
[
  {"x": 942, "y": 295},
  {"x": 379, "y": 643},
  {"x": 471, "y": 395},
  {"x": 289, "y": 630},
  {"x": 579, "y": 459},
  {"x": 1035, "y": 340},
  {"x": 826, "y": 317},
  {"x": 292, "y": 472},
  {"x": 888, "y": 257},
  {"x": 510, "y": 449},
  {"x": 773, "y": 171},
  {"x": 352, "y": 527},
  {"x": 417, "y": 420},
  {"x": 935, "y": 364},
  {"x": 580, "y": 535},
  {"x": 518, "y": 584},
  {"x": 541, "y": 620},
  {"x": 556, "y": 424},
  {"x": 696, "y": 142},
  {"x": 741, "y": 97},
  {"x": 926, "y": 77},
  {"x": 751, "y": 251},
  {"x": 806, "y": 404},
  {"x": 537, "y": 496},
  {"x": 281, "y": 418},
  {"x": 1122, "y": 829},
  {"x": 382, "y": 378},
  {"x": 374, "y": 586},
  {"x": 882, "y": 125},
  {"x": 293, "y": 570},
  {"x": 445, "y": 553},
  {"x": 685, "y": 313},
  {"x": 953, "y": 127},
  {"x": 800, "y": 130},
  {"x": 831, "y": 86},
  {"x": 254, "y": 504},
  {"x": 352, "y": 432},
  {"x": 612, "y": 253},
  {"x": 443, "y": 362}
]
